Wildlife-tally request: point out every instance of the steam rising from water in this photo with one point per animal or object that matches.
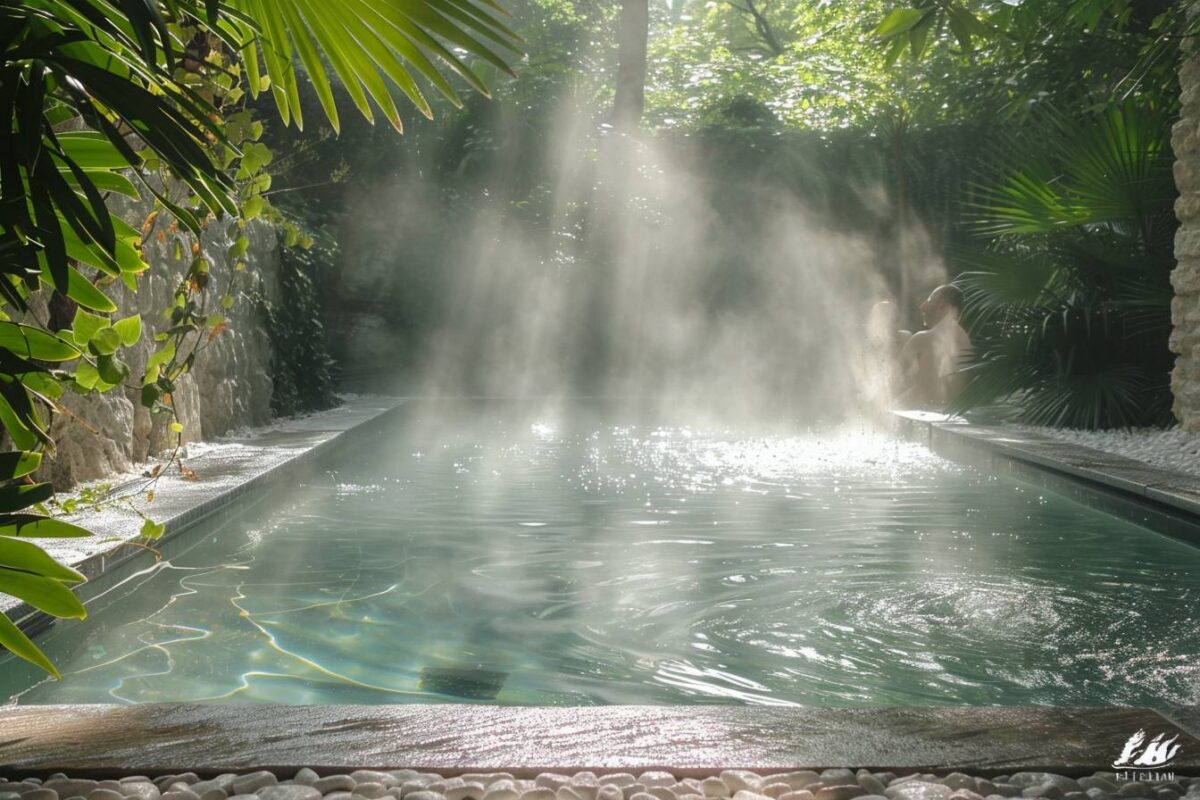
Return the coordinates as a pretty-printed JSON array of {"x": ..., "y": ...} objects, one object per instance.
[{"x": 643, "y": 287}]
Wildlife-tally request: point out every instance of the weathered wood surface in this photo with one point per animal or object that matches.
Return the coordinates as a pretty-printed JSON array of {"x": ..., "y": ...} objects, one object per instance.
[{"x": 157, "y": 739}]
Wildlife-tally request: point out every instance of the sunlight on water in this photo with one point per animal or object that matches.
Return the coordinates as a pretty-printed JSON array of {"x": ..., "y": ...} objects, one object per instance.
[{"x": 496, "y": 558}]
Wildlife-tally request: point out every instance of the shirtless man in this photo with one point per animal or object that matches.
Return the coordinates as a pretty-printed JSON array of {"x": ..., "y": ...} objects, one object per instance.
[{"x": 931, "y": 360}]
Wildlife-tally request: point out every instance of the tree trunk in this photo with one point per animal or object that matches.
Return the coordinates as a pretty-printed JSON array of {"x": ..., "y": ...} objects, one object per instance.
[{"x": 633, "y": 29}]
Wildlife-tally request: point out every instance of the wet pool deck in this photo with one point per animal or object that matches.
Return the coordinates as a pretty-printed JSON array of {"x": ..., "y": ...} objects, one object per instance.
[
  {"x": 690, "y": 741},
  {"x": 1163, "y": 500}
]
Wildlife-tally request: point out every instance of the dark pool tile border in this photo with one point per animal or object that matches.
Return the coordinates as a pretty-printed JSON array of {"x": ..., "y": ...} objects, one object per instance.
[
  {"x": 308, "y": 446},
  {"x": 1165, "y": 501},
  {"x": 158, "y": 739}
]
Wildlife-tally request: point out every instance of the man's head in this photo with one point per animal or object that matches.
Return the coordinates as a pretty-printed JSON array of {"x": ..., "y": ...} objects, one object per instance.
[{"x": 941, "y": 301}]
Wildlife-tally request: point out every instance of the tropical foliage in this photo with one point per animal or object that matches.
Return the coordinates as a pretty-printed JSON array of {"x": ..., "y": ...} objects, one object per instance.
[
  {"x": 150, "y": 98},
  {"x": 1070, "y": 300},
  {"x": 1067, "y": 278}
]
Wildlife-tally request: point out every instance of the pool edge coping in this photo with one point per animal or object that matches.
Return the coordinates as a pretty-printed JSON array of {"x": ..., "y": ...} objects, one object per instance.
[
  {"x": 451, "y": 739},
  {"x": 195, "y": 511},
  {"x": 1163, "y": 500}
]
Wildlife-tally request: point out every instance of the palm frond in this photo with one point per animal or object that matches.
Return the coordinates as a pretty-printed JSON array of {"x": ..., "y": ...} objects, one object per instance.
[{"x": 367, "y": 41}]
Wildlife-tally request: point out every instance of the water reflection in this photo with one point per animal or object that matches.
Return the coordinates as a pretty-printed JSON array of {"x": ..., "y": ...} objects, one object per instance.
[{"x": 523, "y": 561}]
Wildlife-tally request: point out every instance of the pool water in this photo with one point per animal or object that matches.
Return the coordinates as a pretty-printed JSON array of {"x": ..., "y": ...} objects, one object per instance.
[{"x": 500, "y": 557}]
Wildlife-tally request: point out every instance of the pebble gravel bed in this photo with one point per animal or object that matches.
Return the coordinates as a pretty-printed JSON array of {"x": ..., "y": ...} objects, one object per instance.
[
  {"x": 832, "y": 784},
  {"x": 1173, "y": 449}
]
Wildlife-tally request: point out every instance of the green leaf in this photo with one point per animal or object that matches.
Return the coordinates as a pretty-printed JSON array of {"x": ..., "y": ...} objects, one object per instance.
[
  {"x": 44, "y": 594},
  {"x": 84, "y": 292},
  {"x": 252, "y": 207},
  {"x": 899, "y": 21},
  {"x": 16, "y": 464},
  {"x": 29, "y": 342},
  {"x": 12, "y": 639},
  {"x": 129, "y": 329},
  {"x": 150, "y": 395},
  {"x": 19, "y": 496},
  {"x": 105, "y": 342},
  {"x": 92, "y": 150},
  {"x": 85, "y": 326},
  {"x": 28, "y": 557},
  {"x": 161, "y": 357},
  {"x": 112, "y": 369},
  {"x": 34, "y": 526},
  {"x": 152, "y": 529},
  {"x": 238, "y": 248},
  {"x": 86, "y": 375}
]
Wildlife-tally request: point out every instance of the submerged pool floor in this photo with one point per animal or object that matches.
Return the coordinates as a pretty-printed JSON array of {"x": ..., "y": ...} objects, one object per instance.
[{"x": 491, "y": 556}]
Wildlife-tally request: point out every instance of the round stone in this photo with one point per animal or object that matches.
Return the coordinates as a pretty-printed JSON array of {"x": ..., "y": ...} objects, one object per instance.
[
  {"x": 958, "y": 780},
  {"x": 252, "y": 782},
  {"x": 965, "y": 794},
  {"x": 842, "y": 792},
  {"x": 140, "y": 790},
  {"x": 424, "y": 795},
  {"x": 538, "y": 793},
  {"x": 180, "y": 794},
  {"x": 370, "y": 790},
  {"x": 714, "y": 787},
  {"x": 656, "y": 778},
  {"x": 334, "y": 783},
  {"x": 374, "y": 776},
  {"x": 871, "y": 784},
  {"x": 619, "y": 779},
  {"x": 293, "y": 792},
  {"x": 1047, "y": 790},
  {"x": 609, "y": 791},
  {"x": 739, "y": 780},
  {"x": 799, "y": 794},
  {"x": 95, "y": 794},
  {"x": 468, "y": 791},
  {"x": 1096, "y": 782},
  {"x": 567, "y": 793},
  {"x": 306, "y": 777},
  {"x": 67, "y": 787},
  {"x": 917, "y": 790},
  {"x": 797, "y": 780}
]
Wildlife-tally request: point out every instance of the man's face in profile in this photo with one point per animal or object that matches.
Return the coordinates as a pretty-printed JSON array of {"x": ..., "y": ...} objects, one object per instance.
[{"x": 931, "y": 309}]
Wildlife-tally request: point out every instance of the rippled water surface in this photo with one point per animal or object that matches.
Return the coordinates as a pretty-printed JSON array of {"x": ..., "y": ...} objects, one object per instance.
[{"x": 509, "y": 558}]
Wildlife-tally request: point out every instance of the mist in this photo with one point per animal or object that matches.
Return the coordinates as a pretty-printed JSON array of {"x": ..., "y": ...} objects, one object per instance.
[{"x": 644, "y": 277}]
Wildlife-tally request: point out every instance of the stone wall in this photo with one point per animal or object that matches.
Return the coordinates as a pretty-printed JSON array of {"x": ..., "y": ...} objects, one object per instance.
[
  {"x": 1185, "y": 308},
  {"x": 230, "y": 384}
]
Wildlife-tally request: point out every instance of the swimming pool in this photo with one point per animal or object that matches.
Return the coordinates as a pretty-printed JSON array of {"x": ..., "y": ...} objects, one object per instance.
[{"x": 481, "y": 554}]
